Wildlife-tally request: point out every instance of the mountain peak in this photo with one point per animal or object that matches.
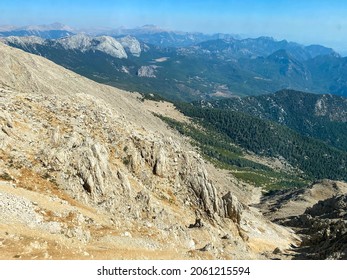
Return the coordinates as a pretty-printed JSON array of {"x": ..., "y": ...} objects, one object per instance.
[{"x": 266, "y": 38}]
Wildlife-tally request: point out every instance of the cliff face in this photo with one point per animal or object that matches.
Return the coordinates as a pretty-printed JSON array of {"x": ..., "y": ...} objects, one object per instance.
[{"x": 86, "y": 171}]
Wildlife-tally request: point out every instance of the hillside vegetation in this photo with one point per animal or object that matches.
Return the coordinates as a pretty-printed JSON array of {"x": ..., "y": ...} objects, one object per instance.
[
  {"x": 323, "y": 117},
  {"x": 313, "y": 157}
]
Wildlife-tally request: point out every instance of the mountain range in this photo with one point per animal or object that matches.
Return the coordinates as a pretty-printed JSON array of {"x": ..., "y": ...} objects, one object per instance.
[
  {"x": 193, "y": 66},
  {"x": 49, "y": 31}
]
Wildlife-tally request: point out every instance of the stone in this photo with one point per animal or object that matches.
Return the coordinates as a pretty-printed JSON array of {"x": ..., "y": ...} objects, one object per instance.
[
  {"x": 207, "y": 247},
  {"x": 277, "y": 251},
  {"x": 227, "y": 236},
  {"x": 232, "y": 207},
  {"x": 127, "y": 234},
  {"x": 198, "y": 224}
]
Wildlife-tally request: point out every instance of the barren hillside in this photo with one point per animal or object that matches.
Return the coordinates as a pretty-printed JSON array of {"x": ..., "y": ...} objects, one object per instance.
[{"x": 88, "y": 172}]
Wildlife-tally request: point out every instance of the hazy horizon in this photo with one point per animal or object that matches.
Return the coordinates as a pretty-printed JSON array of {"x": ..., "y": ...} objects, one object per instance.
[{"x": 306, "y": 22}]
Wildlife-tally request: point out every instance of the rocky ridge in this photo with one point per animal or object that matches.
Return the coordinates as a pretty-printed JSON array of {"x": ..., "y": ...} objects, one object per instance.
[
  {"x": 84, "y": 174},
  {"x": 131, "y": 44},
  {"x": 84, "y": 43}
]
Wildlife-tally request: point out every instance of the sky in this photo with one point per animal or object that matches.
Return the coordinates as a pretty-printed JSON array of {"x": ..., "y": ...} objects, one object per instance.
[{"x": 303, "y": 21}]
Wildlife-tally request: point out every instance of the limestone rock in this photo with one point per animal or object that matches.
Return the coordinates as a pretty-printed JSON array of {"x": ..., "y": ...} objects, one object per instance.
[
  {"x": 124, "y": 182},
  {"x": 160, "y": 163},
  {"x": 85, "y": 43},
  {"x": 147, "y": 71},
  {"x": 324, "y": 229},
  {"x": 131, "y": 44},
  {"x": 195, "y": 176},
  {"x": 233, "y": 208},
  {"x": 207, "y": 247},
  {"x": 331, "y": 208}
]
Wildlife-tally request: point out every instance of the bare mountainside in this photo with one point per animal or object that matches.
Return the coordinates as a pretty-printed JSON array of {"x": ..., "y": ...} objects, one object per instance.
[
  {"x": 317, "y": 213},
  {"x": 86, "y": 171}
]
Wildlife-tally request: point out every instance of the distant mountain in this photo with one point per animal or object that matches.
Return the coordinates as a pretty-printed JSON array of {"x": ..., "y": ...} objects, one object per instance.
[
  {"x": 7, "y": 28},
  {"x": 261, "y": 47},
  {"x": 80, "y": 42},
  {"x": 211, "y": 69},
  {"x": 154, "y": 35},
  {"x": 49, "y": 27},
  {"x": 329, "y": 74},
  {"x": 84, "y": 43},
  {"x": 263, "y": 65},
  {"x": 323, "y": 117},
  {"x": 51, "y": 31}
]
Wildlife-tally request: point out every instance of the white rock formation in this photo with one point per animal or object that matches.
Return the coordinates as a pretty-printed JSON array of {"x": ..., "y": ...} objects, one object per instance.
[
  {"x": 131, "y": 44},
  {"x": 147, "y": 71},
  {"x": 85, "y": 43},
  {"x": 23, "y": 41}
]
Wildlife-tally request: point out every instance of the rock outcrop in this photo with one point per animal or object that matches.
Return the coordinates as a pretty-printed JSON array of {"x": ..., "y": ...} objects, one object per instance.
[
  {"x": 131, "y": 44},
  {"x": 147, "y": 71},
  {"x": 81, "y": 42},
  {"x": 324, "y": 229},
  {"x": 318, "y": 214}
]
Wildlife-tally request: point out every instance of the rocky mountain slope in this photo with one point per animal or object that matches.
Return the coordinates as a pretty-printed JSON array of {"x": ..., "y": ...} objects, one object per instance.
[{"x": 86, "y": 171}]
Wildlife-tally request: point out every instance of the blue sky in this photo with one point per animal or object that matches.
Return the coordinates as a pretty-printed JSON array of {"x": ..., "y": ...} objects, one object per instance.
[{"x": 305, "y": 21}]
